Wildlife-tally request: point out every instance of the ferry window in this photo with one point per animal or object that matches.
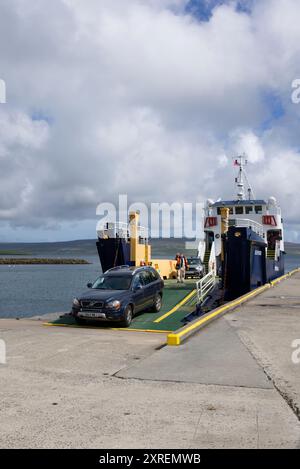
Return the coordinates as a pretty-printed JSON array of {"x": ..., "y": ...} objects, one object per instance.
[
  {"x": 239, "y": 210},
  {"x": 258, "y": 209},
  {"x": 230, "y": 210},
  {"x": 249, "y": 210}
]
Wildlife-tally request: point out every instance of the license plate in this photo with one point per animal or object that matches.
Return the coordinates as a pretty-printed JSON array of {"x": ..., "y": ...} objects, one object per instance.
[{"x": 89, "y": 314}]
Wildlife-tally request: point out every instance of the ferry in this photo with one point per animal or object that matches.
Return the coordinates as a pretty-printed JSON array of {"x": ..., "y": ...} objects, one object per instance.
[
  {"x": 243, "y": 242},
  {"x": 244, "y": 239}
]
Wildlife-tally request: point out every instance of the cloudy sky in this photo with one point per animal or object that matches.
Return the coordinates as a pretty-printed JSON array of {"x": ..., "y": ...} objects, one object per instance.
[{"x": 151, "y": 98}]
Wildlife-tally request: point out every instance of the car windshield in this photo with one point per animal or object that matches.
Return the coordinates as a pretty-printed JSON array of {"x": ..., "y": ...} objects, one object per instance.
[
  {"x": 113, "y": 282},
  {"x": 192, "y": 261}
]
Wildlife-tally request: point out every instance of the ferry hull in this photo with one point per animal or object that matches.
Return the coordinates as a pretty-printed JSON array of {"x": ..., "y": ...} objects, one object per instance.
[
  {"x": 113, "y": 252},
  {"x": 275, "y": 269},
  {"x": 246, "y": 265}
]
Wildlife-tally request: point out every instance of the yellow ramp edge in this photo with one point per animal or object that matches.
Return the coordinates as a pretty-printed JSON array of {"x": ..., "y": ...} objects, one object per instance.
[
  {"x": 127, "y": 329},
  {"x": 176, "y": 338},
  {"x": 173, "y": 310}
]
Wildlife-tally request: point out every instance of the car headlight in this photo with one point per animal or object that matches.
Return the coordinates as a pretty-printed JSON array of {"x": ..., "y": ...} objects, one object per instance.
[
  {"x": 199, "y": 268},
  {"x": 114, "y": 305},
  {"x": 76, "y": 302}
]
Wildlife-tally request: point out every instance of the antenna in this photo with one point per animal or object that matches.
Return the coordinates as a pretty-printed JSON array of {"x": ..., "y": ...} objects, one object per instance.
[{"x": 241, "y": 161}]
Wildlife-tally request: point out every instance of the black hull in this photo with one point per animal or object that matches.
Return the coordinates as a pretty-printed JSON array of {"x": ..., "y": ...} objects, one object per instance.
[
  {"x": 275, "y": 269},
  {"x": 246, "y": 266},
  {"x": 113, "y": 252}
]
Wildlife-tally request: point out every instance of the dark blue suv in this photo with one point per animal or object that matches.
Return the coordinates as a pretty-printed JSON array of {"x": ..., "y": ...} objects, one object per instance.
[{"x": 119, "y": 294}]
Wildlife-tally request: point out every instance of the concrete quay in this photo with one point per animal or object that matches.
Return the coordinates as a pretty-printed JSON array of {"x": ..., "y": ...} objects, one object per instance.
[{"x": 234, "y": 384}]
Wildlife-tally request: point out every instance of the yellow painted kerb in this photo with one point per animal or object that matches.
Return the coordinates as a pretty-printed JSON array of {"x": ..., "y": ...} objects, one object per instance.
[
  {"x": 289, "y": 274},
  {"x": 175, "y": 338}
]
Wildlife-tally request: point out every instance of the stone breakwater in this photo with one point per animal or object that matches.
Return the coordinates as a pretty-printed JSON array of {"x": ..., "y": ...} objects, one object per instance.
[{"x": 38, "y": 261}]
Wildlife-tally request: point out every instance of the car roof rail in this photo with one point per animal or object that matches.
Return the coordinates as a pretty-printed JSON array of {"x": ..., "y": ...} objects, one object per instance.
[
  {"x": 141, "y": 267},
  {"x": 118, "y": 267}
]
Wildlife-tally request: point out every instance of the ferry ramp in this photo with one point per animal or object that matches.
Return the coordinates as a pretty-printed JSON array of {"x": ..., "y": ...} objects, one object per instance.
[{"x": 178, "y": 301}]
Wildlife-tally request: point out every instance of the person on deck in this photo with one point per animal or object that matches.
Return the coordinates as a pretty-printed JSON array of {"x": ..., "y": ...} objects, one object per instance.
[{"x": 181, "y": 267}]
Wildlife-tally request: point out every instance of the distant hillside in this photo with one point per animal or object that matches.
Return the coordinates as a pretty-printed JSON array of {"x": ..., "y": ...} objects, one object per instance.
[
  {"x": 292, "y": 248},
  {"x": 87, "y": 247}
]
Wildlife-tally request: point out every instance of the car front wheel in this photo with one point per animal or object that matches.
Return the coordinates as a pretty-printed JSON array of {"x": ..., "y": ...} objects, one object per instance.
[
  {"x": 157, "y": 303},
  {"x": 128, "y": 315}
]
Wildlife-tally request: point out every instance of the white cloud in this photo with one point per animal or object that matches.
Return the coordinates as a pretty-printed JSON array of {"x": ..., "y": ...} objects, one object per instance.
[
  {"x": 17, "y": 129},
  {"x": 249, "y": 143},
  {"x": 134, "y": 96}
]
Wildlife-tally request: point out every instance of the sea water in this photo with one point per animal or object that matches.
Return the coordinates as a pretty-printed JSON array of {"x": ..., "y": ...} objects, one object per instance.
[{"x": 31, "y": 290}]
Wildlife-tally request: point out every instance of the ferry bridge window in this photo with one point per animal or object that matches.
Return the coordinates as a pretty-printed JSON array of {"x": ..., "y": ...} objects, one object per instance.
[
  {"x": 249, "y": 210},
  {"x": 239, "y": 210},
  {"x": 230, "y": 210},
  {"x": 258, "y": 209}
]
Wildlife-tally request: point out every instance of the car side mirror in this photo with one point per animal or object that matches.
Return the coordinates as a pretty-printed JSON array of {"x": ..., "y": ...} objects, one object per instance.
[
  {"x": 137, "y": 287},
  {"x": 89, "y": 285}
]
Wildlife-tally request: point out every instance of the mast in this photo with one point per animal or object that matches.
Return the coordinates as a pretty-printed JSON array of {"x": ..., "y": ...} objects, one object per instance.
[{"x": 241, "y": 180}]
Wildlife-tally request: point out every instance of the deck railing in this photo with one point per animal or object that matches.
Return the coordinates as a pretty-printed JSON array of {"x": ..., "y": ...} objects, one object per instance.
[
  {"x": 121, "y": 230},
  {"x": 247, "y": 223},
  {"x": 205, "y": 285}
]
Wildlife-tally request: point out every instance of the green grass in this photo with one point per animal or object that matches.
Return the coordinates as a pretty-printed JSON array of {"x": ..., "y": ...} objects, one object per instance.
[{"x": 13, "y": 253}]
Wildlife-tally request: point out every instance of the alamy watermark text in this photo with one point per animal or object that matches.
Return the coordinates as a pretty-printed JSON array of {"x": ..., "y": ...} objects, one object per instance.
[
  {"x": 2, "y": 352},
  {"x": 2, "y": 92}
]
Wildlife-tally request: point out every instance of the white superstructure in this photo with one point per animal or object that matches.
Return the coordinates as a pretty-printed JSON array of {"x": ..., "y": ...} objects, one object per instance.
[{"x": 264, "y": 217}]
